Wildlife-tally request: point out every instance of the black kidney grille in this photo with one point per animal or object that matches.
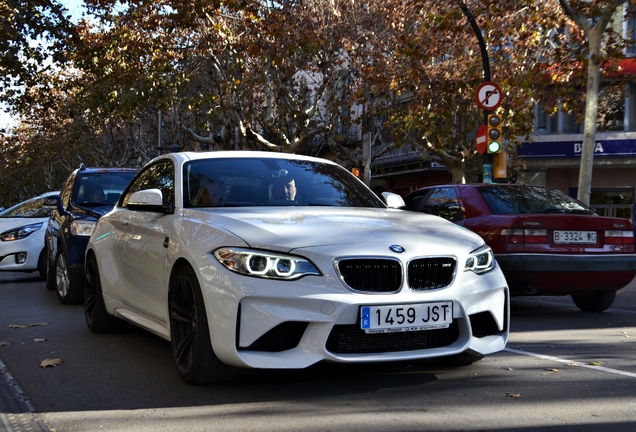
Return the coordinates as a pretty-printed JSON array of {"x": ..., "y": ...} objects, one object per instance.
[
  {"x": 350, "y": 339},
  {"x": 371, "y": 274},
  {"x": 431, "y": 273}
]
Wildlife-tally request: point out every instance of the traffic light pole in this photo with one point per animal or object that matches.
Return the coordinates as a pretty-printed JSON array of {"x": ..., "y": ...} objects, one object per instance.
[
  {"x": 482, "y": 43},
  {"x": 488, "y": 159}
]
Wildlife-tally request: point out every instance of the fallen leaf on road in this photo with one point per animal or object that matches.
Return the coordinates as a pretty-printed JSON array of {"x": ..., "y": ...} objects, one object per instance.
[
  {"x": 14, "y": 326},
  {"x": 5, "y": 343},
  {"x": 595, "y": 363},
  {"x": 508, "y": 368},
  {"x": 39, "y": 340},
  {"x": 513, "y": 395},
  {"x": 550, "y": 370},
  {"x": 572, "y": 364},
  {"x": 51, "y": 362}
]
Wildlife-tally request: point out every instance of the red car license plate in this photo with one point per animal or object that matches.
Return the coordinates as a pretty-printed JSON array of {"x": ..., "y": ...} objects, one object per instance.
[{"x": 574, "y": 237}]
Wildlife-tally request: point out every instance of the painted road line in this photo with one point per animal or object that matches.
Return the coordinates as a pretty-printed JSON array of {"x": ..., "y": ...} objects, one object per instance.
[{"x": 561, "y": 360}]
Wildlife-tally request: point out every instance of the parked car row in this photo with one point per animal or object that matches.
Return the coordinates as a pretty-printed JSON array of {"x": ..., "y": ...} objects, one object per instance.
[{"x": 269, "y": 260}]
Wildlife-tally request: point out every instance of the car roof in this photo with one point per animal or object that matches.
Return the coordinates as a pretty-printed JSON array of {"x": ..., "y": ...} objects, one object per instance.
[
  {"x": 481, "y": 185},
  {"x": 92, "y": 170},
  {"x": 245, "y": 154}
]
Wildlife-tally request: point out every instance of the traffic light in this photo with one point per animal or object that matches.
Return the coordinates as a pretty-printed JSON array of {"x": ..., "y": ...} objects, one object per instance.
[
  {"x": 499, "y": 168},
  {"x": 494, "y": 136}
]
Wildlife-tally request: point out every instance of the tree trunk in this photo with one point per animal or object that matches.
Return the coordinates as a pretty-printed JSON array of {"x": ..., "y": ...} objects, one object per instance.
[{"x": 591, "y": 115}]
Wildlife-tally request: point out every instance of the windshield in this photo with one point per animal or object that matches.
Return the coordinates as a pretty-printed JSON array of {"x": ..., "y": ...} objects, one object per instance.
[
  {"x": 33, "y": 208},
  {"x": 101, "y": 188},
  {"x": 530, "y": 199},
  {"x": 272, "y": 182}
]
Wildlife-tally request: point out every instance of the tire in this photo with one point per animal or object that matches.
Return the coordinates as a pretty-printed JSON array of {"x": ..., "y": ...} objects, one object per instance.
[
  {"x": 462, "y": 359},
  {"x": 597, "y": 301},
  {"x": 190, "y": 335},
  {"x": 97, "y": 318},
  {"x": 66, "y": 292},
  {"x": 42, "y": 268}
]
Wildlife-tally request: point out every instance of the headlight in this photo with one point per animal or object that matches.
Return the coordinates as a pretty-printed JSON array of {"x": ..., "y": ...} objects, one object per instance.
[
  {"x": 20, "y": 233},
  {"x": 264, "y": 264},
  {"x": 82, "y": 228},
  {"x": 480, "y": 261}
]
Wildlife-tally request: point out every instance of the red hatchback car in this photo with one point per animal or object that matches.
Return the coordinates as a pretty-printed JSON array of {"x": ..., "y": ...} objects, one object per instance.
[{"x": 546, "y": 242}]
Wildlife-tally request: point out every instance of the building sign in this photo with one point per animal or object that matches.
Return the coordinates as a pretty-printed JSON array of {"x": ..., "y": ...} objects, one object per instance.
[{"x": 571, "y": 149}]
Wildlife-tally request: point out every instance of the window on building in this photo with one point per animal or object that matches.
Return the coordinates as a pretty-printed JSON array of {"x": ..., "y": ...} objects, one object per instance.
[
  {"x": 617, "y": 202},
  {"x": 631, "y": 32},
  {"x": 570, "y": 125},
  {"x": 542, "y": 120},
  {"x": 611, "y": 108},
  {"x": 547, "y": 123},
  {"x": 611, "y": 113}
]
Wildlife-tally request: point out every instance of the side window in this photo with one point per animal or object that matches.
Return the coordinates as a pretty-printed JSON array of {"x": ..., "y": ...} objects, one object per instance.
[
  {"x": 157, "y": 176},
  {"x": 67, "y": 189},
  {"x": 414, "y": 202},
  {"x": 444, "y": 202}
]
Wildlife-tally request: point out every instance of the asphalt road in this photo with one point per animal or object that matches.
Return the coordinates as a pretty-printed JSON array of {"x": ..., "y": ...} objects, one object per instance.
[{"x": 563, "y": 370}]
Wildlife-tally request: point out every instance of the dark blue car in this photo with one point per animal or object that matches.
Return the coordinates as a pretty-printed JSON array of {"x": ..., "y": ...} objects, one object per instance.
[{"x": 87, "y": 194}]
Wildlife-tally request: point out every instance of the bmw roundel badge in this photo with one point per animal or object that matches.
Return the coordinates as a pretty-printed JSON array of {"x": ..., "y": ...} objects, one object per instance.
[{"x": 396, "y": 248}]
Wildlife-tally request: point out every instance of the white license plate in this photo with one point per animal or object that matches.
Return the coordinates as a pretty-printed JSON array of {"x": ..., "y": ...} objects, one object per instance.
[
  {"x": 402, "y": 318},
  {"x": 574, "y": 237}
]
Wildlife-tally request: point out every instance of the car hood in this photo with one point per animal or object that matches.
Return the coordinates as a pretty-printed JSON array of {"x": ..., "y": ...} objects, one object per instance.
[
  {"x": 285, "y": 228},
  {"x": 7, "y": 224},
  {"x": 90, "y": 211}
]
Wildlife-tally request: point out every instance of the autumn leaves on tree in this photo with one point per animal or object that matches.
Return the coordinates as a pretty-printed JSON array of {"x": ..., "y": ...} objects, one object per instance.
[{"x": 312, "y": 77}]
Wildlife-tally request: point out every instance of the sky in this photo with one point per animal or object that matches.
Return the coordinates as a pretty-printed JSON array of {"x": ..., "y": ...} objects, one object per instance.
[{"x": 74, "y": 7}]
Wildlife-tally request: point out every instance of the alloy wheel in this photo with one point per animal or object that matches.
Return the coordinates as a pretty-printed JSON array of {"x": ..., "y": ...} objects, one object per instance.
[
  {"x": 183, "y": 320},
  {"x": 61, "y": 276}
]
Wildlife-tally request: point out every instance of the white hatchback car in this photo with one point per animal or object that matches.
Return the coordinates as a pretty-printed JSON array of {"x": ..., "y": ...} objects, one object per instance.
[
  {"x": 22, "y": 229},
  {"x": 270, "y": 260}
]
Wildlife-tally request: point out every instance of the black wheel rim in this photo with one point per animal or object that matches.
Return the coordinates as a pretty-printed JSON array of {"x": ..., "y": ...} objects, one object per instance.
[{"x": 183, "y": 323}]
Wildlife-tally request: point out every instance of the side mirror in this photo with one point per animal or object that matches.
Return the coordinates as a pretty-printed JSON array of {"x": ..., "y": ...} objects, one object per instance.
[
  {"x": 148, "y": 200},
  {"x": 53, "y": 203},
  {"x": 393, "y": 201}
]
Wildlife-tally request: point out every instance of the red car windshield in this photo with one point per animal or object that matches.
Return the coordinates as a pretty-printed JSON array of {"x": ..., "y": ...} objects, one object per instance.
[{"x": 504, "y": 200}]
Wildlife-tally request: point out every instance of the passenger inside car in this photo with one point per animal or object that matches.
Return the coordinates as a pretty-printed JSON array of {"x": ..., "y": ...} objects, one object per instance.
[
  {"x": 95, "y": 195},
  {"x": 210, "y": 194},
  {"x": 284, "y": 189}
]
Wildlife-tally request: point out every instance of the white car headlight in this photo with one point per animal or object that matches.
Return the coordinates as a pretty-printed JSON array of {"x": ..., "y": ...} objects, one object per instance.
[
  {"x": 20, "y": 233},
  {"x": 82, "y": 228},
  {"x": 480, "y": 261},
  {"x": 265, "y": 264}
]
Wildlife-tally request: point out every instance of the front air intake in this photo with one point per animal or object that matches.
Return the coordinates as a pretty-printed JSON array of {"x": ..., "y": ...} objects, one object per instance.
[
  {"x": 431, "y": 273},
  {"x": 374, "y": 275}
]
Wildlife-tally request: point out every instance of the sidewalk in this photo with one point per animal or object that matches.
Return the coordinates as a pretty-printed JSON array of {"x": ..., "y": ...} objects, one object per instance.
[{"x": 16, "y": 412}]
